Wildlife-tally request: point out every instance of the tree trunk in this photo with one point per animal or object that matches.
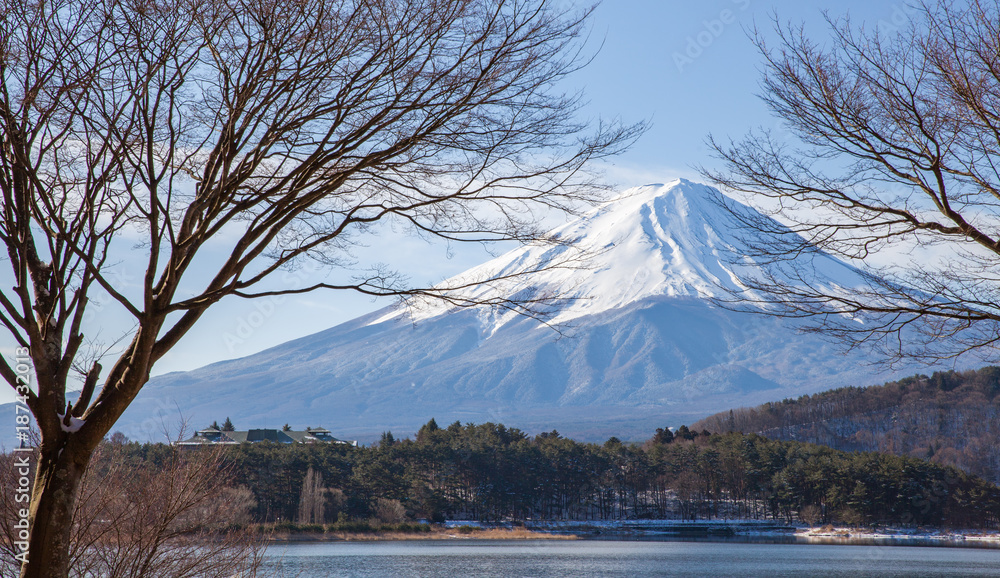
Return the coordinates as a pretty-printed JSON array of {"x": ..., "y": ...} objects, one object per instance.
[{"x": 57, "y": 482}]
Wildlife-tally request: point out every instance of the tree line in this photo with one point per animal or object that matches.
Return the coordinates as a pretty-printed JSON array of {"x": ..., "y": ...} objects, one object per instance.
[
  {"x": 489, "y": 472},
  {"x": 949, "y": 418},
  {"x": 165, "y": 510}
]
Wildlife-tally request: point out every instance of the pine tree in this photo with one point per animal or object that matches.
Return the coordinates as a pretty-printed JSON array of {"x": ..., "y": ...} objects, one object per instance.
[
  {"x": 228, "y": 425},
  {"x": 663, "y": 436},
  {"x": 426, "y": 430}
]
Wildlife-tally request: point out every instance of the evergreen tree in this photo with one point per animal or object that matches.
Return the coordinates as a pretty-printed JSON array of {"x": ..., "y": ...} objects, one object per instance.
[
  {"x": 684, "y": 433},
  {"x": 663, "y": 436},
  {"x": 228, "y": 425},
  {"x": 426, "y": 430}
]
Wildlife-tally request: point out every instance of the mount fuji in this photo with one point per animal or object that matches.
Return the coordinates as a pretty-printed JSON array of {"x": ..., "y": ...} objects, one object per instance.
[{"x": 640, "y": 344}]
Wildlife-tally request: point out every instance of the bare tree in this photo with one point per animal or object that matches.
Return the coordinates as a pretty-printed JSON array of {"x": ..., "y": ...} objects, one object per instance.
[
  {"x": 176, "y": 518},
  {"x": 229, "y": 140},
  {"x": 888, "y": 157},
  {"x": 170, "y": 520},
  {"x": 389, "y": 511},
  {"x": 312, "y": 499}
]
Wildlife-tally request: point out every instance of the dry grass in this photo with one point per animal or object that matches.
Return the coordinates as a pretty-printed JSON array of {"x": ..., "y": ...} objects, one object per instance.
[
  {"x": 507, "y": 534},
  {"x": 435, "y": 534}
]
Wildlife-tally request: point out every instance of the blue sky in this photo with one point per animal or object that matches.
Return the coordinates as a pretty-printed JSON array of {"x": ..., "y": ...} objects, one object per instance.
[{"x": 689, "y": 68}]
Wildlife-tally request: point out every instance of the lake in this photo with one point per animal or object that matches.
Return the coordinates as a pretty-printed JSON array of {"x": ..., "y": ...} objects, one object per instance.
[{"x": 625, "y": 559}]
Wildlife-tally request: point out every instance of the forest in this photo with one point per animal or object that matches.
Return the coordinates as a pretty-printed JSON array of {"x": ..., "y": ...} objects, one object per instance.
[
  {"x": 491, "y": 473},
  {"x": 949, "y": 418}
]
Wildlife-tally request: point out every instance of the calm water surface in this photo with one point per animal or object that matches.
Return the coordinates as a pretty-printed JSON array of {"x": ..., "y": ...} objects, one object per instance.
[{"x": 582, "y": 558}]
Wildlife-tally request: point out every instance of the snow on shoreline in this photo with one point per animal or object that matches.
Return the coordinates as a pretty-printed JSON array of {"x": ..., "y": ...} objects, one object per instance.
[
  {"x": 831, "y": 534},
  {"x": 764, "y": 530}
]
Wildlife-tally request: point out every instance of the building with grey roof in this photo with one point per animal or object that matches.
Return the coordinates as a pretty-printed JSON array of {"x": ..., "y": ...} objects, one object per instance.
[{"x": 311, "y": 435}]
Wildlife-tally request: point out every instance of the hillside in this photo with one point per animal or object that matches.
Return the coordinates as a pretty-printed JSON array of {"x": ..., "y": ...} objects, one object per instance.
[{"x": 948, "y": 417}]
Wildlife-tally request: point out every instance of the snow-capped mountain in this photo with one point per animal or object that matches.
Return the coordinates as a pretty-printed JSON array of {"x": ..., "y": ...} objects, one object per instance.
[
  {"x": 672, "y": 240},
  {"x": 641, "y": 344}
]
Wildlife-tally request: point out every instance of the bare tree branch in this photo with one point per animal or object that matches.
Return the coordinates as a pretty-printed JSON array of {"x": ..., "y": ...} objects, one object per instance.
[
  {"x": 159, "y": 134},
  {"x": 892, "y": 147}
]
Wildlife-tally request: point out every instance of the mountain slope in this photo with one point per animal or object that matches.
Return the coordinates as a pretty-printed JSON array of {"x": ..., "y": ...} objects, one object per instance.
[
  {"x": 641, "y": 345},
  {"x": 949, "y": 418}
]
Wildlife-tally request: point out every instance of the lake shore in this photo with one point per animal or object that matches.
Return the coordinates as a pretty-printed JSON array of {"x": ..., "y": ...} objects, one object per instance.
[
  {"x": 619, "y": 557},
  {"x": 899, "y": 536},
  {"x": 729, "y": 530},
  {"x": 772, "y": 531},
  {"x": 434, "y": 533}
]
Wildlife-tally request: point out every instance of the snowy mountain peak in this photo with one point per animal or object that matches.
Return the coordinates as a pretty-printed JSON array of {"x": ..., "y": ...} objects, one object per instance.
[
  {"x": 664, "y": 240},
  {"x": 645, "y": 343},
  {"x": 660, "y": 240}
]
